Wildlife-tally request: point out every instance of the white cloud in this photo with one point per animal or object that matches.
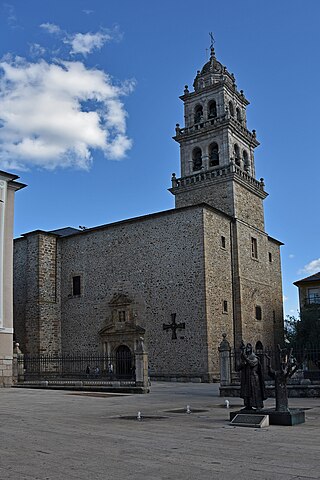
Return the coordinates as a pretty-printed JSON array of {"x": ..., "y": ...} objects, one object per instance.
[
  {"x": 51, "y": 27},
  {"x": 285, "y": 298},
  {"x": 55, "y": 114},
  {"x": 85, "y": 43},
  {"x": 312, "y": 267},
  {"x": 291, "y": 255},
  {"x": 36, "y": 50},
  {"x": 11, "y": 16}
]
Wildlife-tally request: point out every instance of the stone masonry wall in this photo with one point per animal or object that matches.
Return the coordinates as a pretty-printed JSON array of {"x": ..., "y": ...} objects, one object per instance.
[
  {"x": 31, "y": 343},
  {"x": 218, "y": 284},
  {"x": 20, "y": 259},
  {"x": 157, "y": 259},
  {"x": 36, "y": 299},
  {"x": 218, "y": 196},
  {"x": 5, "y": 370},
  {"x": 257, "y": 279},
  {"x": 49, "y": 301},
  {"x": 276, "y": 293},
  {"x": 248, "y": 206}
]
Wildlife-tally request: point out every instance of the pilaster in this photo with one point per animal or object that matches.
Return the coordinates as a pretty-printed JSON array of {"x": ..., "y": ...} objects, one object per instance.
[{"x": 8, "y": 187}]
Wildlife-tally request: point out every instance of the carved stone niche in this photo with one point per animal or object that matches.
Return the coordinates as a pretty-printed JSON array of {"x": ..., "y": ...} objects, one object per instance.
[{"x": 121, "y": 326}]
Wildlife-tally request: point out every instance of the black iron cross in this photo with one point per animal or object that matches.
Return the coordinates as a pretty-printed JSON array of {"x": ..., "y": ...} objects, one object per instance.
[{"x": 174, "y": 326}]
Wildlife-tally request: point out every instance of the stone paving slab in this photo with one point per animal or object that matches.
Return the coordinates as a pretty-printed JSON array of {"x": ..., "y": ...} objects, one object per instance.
[{"x": 53, "y": 435}]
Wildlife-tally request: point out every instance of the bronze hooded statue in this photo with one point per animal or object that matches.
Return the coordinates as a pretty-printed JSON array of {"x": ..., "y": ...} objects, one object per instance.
[{"x": 252, "y": 388}]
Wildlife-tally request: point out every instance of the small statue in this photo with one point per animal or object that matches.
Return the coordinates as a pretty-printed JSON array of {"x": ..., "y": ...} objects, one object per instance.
[
  {"x": 288, "y": 366},
  {"x": 178, "y": 129},
  {"x": 252, "y": 388},
  {"x": 174, "y": 181}
]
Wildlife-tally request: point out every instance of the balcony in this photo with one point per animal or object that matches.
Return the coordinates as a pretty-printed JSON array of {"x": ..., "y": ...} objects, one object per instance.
[{"x": 214, "y": 173}]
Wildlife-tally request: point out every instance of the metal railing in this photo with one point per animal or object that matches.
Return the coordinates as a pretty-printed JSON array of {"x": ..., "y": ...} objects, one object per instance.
[
  {"x": 307, "y": 358},
  {"x": 77, "y": 366}
]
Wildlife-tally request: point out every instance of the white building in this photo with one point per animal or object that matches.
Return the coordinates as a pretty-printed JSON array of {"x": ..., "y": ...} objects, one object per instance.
[{"x": 8, "y": 187}]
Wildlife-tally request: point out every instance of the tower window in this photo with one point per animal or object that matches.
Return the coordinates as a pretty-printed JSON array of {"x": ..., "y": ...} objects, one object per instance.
[
  {"x": 197, "y": 158},
  {"x": 225, "y": 306},
  {"x": 198, "y": 114},
  {"x": 122, "y": 316},
  {"x": 270, "y": 257},
  {"x": 236, "y": 154},
  {"x": 245, "y": 160},
  {"x": 213, "y": 155},
  {"x": 258, "y": 313},
  {"x": 231, "y": 109},
  {"x": 76, "y": 285},
  {"x": 239, "y": 117},
  {"x": 223, "y": 241},
  {"x": 254, "y": 247},
  {"x": 212, "y": 109}
]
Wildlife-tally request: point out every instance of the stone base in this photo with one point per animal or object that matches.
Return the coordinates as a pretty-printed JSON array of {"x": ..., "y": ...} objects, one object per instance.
[
  {"x": 5, "y": 371},
  {"x": 294, "y": 390},
  {"x": 293, "y": 417},
  {"x": 113, "y": 387}
]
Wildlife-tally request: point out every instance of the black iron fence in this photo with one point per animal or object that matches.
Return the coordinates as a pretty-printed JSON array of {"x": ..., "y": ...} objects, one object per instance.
[
  {"x": 77, "y": 366},
  {"x": 307, "y": 358}
]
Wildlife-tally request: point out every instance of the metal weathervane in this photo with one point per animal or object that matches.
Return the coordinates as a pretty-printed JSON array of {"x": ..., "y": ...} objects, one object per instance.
[{"x": 212, "y": 39}]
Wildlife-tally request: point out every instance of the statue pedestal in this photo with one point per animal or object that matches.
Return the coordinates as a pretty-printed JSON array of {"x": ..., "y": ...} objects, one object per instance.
[{"x": 293, "y": 417}]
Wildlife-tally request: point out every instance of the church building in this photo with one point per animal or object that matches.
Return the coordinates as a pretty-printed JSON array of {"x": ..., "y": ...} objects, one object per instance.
[{"x": 179, "y": 279}]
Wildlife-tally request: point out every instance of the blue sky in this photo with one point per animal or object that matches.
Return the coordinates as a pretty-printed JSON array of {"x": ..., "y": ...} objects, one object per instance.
[{"x": 64, "y": 64}]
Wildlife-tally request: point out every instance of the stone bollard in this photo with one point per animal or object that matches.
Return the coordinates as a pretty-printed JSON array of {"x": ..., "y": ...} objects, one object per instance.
[
  {"x": 141, "y": 365},
  {"x": 17, "y": 365},
  {"x": 225, "y": 361}
]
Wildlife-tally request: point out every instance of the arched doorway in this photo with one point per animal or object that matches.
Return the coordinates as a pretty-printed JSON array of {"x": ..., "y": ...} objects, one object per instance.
[{"x": 123, "y": 361}]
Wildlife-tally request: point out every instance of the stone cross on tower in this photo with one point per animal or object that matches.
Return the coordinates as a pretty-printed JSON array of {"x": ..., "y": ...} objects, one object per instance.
[{"x": 174, "y": 326}]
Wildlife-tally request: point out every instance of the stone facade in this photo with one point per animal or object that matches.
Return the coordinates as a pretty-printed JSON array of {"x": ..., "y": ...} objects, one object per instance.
[
  {"x": 209, "y": 260},
  {"x": 8, "y": 187}
]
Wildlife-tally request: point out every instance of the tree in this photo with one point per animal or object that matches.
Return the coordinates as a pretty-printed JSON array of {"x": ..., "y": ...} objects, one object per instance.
[{"x": 304, "y": 331}]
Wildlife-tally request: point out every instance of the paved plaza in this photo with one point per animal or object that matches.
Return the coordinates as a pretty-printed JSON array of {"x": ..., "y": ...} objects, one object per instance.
[{"x": 54, "y": 434}]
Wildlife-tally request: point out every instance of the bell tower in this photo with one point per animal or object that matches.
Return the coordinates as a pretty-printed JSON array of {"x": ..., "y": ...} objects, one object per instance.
[{"x": 217, "y": 149}]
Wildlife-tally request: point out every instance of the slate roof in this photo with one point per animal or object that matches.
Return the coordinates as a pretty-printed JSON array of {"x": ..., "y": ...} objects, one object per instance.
[
  {"x": 65, "y": 232},
  {"x": 313, "y": 278}
]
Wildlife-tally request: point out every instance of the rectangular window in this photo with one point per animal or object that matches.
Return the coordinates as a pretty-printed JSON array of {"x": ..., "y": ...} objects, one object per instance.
[
  {"x": 258, "y": 313},
  {"x": 313, "y": 295},
  {"x": 223, "y": 241},
  {"x": 122, "y": 316},
  {"x": 254, "y": 247},
  {"x": 76, "y": 285},
  {"x": 225, "y": 306},
  {"x": 270, "y": 257}
]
